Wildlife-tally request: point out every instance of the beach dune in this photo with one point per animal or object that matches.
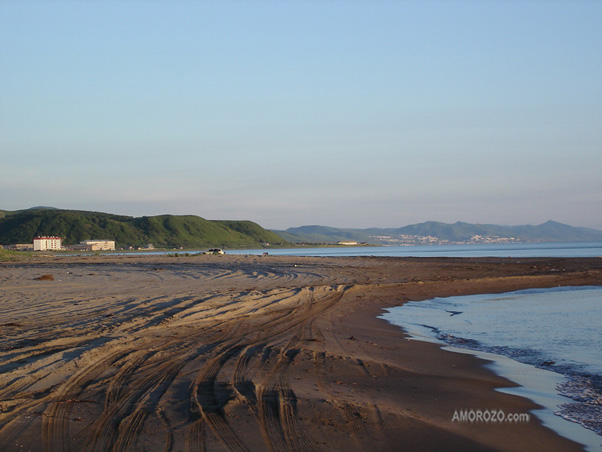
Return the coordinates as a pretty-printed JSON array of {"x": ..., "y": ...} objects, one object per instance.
[{"x": 249, "y": 353}]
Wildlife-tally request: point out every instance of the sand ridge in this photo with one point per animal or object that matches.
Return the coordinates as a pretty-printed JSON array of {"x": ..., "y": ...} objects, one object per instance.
[{"x": 244, "y": 353}]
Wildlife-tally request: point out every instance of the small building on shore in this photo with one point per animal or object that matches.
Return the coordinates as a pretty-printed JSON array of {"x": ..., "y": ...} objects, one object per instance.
[
  {"x": 47, "y": 244},
  {"x": 97, "y": 245}
]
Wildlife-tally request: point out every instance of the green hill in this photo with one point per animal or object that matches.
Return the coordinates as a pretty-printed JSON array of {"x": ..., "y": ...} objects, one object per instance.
[{"x": 187, "y": 231}]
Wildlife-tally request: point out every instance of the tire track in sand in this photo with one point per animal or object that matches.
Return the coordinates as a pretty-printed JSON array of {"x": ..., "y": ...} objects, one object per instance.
[
  {"x": 277, "y": 402},
  {"x": 55, "y": 424}
]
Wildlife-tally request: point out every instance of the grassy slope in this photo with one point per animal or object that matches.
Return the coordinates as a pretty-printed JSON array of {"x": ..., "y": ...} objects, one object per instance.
[
  {"x": 251, "y": 229},
  {"x": 6, "y": 255},
  {"x": 187, "y": 231}
]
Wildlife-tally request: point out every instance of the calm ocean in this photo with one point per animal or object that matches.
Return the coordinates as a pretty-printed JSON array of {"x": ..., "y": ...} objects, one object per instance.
[
  {"x": 559, "y": 330},
  {"x": 544, "y": 249}
]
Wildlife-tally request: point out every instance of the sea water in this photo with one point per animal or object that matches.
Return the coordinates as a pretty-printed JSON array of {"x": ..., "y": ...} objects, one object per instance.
[
  {"x": 555, "y": 333},
  {"x": 540, "y": 249}
]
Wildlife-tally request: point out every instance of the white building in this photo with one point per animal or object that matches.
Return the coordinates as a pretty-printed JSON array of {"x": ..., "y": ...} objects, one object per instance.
[
  {"x": 98, "y": 245},
  {"x": 46, "y": 243}
]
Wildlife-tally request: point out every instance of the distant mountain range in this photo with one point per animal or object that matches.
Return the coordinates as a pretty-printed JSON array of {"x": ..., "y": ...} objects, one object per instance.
[
  {"x": 187, "y": 231},
  {"x": 436, "y": 233}
]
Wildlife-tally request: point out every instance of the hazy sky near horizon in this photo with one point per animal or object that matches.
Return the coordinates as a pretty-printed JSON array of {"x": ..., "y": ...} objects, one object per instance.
[{"x": 341, "y": 113}]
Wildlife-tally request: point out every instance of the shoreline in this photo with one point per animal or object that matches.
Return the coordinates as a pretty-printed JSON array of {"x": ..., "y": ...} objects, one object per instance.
[
  {"x": 534, "y": 383},
  {"x": 252, "y": 353}
]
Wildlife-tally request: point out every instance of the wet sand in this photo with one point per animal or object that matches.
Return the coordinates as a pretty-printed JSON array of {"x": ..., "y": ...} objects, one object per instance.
[{"x": 248, "y": 353}]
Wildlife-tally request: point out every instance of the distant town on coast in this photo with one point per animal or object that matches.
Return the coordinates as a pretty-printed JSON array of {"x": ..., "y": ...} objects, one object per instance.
[{"x": 46, "y": 228}]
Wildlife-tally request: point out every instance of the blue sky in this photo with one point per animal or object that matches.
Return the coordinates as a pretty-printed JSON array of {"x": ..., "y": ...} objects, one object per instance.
[{"x": 342, "y": 113}]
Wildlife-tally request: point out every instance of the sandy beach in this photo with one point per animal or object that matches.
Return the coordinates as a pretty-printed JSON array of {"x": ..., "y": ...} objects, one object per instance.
[{"x": 251, "y": 353}]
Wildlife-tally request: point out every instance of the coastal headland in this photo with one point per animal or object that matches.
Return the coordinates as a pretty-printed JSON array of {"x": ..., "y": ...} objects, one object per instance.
[{"x": 252, "y": 353}]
